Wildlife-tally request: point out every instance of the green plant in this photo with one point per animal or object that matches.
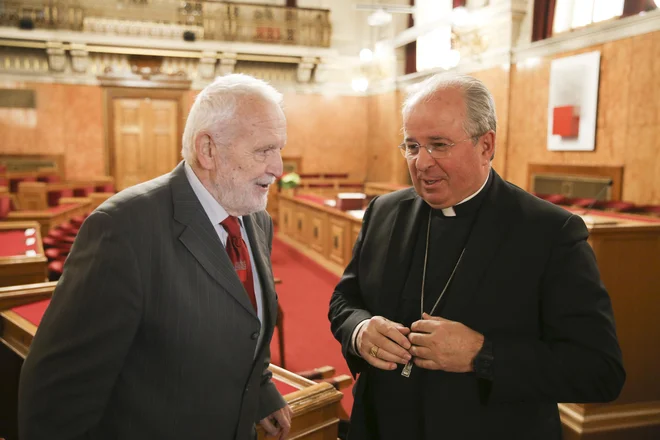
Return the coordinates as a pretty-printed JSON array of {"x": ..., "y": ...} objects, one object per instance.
[{"x": 289, "y": 180}]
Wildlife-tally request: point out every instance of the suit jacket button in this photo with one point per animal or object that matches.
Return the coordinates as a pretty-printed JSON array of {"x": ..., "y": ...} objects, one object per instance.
[
  {"x": 254, "y": 335},
  {"x": 247, "y": 389}
]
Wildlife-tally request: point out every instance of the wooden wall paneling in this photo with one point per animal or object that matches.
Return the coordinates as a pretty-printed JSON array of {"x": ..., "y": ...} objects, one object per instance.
[
  {"x": 328, "y": 132},
  {"x": 318, "y": 231},
  {"x": 300, "y": 224},
  {"x": 339, "y": 233},
  {"x": 162, "y": 132},
  {"x": 148, "y": 117},
  {"x": 628, "y": 124},
  {"x": 67, "y": 121},
  {"x": 285, "y": 212}
]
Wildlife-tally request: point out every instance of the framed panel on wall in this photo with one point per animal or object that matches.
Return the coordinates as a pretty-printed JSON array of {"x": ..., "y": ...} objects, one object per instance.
[
  {"x": 292, "y": 164},
  {"x": 573, "y": 102}
]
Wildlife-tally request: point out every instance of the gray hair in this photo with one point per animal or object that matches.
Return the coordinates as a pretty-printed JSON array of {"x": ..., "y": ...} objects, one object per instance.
[
  {"x": 479, "y": 102},
  {"x": 217, "y": 104}
]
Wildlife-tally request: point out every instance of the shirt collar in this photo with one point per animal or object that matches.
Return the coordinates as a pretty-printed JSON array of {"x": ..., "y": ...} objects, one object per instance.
[
  {"x": 214, "y": 210},
  {"x": 450, "y": 212}
]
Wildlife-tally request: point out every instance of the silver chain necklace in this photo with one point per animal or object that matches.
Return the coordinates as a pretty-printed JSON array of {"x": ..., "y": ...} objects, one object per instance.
[{"x": 408, "y": 368}]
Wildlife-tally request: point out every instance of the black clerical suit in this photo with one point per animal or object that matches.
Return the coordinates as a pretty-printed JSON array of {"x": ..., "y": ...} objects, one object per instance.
[{"x": 528, "y": 281}]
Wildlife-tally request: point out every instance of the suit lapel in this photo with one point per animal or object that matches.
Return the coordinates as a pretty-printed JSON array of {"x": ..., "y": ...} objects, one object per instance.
[
  {"x": 492, "y": 226},
  {"x": 408, "y": 219},
  {"x": 259, "y": 245},
  {"x": 201, "y": 239}
]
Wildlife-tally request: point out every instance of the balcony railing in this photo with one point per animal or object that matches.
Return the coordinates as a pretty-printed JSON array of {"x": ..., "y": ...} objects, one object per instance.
[{"x": 207, "y": 20}]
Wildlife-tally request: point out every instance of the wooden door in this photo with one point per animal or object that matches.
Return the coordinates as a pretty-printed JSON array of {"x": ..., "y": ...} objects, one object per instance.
[{"x": 145, "y": 138}]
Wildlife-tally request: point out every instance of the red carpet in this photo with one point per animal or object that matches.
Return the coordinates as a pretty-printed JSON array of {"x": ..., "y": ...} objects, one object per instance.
[{"x": 305, "y": 296}]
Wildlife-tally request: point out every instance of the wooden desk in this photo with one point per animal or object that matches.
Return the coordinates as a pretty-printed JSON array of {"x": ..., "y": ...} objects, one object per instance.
[
  {"x": 628, "y": 255},
  {"x": 52, "y": 217},
  {"x": 321, "y": 232},
  {"x": 315, "y": 405},
  {"x": 22, "y": 259}
]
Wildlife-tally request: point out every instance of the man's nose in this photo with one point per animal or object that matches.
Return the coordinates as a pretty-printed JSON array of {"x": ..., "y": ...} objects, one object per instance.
[
  {"x": 275, "y": 165},
  {"x": 424, "y": 160}
]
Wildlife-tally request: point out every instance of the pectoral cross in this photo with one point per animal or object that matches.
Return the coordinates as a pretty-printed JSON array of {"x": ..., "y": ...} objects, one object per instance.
[{"x": 407, "y": 369}]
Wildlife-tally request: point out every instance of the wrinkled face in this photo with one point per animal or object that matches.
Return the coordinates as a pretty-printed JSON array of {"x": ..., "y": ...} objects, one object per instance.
[
  {"x": 462, "y": 169},
  {"x": 246, "y": 168}
]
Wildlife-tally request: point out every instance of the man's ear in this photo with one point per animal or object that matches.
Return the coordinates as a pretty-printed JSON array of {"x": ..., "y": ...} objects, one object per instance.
[
  {"x": 205, "y": 149},
  {"x": 488, "y": 145}
]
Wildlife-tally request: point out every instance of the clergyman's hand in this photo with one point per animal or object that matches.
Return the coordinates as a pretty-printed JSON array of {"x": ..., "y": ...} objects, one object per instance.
[
  {"x": 278, "y": 424},
  {"x": 441, "y": 344},
  {"x": 383, "y": 343}
]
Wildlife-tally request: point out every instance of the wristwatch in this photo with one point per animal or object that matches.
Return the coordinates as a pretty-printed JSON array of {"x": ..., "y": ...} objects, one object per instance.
[{"x": 483, "y": 361}]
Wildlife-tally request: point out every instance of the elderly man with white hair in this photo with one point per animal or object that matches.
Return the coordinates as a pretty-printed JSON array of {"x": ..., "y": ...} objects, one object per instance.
[{"x": 160, "y": 325}]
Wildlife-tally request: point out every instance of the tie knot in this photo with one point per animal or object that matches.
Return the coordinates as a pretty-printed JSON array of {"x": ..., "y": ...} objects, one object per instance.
[{"x": 232, "y": 226}]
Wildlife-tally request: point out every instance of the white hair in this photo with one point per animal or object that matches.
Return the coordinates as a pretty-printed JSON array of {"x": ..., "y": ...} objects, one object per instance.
[
  {"x": 479, "y": 102},
  {"x": 215, "y": 108}
]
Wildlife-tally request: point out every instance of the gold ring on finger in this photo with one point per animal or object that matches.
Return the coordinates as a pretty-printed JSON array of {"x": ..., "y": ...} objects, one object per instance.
[{"x": 374, "y": 351}]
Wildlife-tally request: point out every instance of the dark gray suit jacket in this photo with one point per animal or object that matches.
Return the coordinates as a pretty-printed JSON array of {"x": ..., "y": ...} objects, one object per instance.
[
  {"x": 528, "y": 281},
  {"x": 150, "y": 334}
]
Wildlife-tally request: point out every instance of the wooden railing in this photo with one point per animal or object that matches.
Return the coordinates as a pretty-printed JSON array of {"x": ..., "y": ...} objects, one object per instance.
[{"x": 207, "y": 20}]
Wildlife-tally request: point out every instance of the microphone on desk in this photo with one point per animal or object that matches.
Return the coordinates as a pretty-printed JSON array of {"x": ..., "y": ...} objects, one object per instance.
[{"x": 602, "y": 190}]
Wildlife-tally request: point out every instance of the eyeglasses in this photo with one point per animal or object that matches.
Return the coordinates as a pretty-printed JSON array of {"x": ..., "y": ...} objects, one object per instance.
[{"x": 436, "y": 150}]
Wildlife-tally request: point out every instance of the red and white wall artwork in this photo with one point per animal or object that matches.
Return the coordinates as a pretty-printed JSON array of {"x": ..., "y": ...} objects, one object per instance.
[{"x": 573, "y": 102}]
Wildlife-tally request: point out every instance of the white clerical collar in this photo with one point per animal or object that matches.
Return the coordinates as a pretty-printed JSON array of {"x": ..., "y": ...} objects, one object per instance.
[
  {"x": 214, "y": 210},
  {"x": 450, "y": 212}
]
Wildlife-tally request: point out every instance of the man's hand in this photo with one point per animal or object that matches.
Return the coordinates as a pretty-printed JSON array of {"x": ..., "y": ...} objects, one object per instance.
[
  {"x": 390, "y": 339},
  {"x": 440, "y": 344},
  {"x": 278, "y": 423}
]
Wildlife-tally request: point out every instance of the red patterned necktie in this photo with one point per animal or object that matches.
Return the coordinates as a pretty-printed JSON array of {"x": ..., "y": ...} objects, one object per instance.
[{"x": 240, "y": 256}]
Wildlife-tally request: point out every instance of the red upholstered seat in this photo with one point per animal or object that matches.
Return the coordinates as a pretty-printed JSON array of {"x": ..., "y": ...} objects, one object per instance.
[
  {"x": 67, "y": 239},
  {"x": 56, "y": 233},
  {"x": 68, "y": 228},
  {"x": 55, "y": 269},
  {"x": 336, "y": 175},
  {"x": 51, "y": 178},
  {"x": 83, "y": 191},
  {"x": 56, "y": 254},
  {"x": 5, "y": 206},
  {"x": 13, "y": 183},
  {"x": 653, "y": 210},
  {"x": 78, "y": 220},
  {"x": 55, "y": 196},
  {"x": 105, "y": 188},
  {"x": 557, "y": 199},
  {"x": 310, "y": 176},
  {"x": 580, "y": 202},
  {"x": 615, "y": 205},
  {"x": 51, "y": 242}
]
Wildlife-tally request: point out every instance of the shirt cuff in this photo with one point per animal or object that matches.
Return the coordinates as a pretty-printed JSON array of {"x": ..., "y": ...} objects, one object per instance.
[{"x": 353, "y": 348}]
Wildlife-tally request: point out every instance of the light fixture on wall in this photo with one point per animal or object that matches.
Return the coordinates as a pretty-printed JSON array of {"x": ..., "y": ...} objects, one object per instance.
[
  {"x": 374, "y": 66},
  {"x": 379, "y": 18},
  {"x": 360, "y": 84},
  {"x": 366, "y": 55},
  {"x": 382, "y": 14}
]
